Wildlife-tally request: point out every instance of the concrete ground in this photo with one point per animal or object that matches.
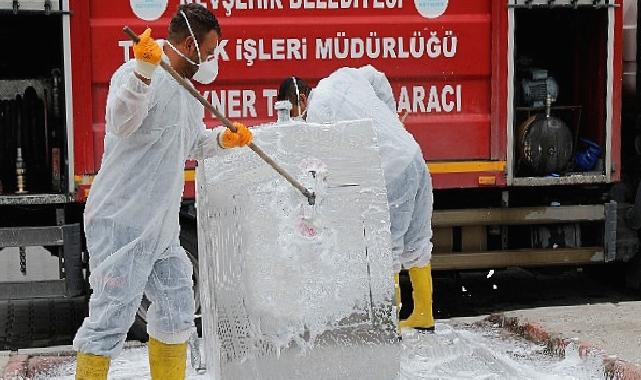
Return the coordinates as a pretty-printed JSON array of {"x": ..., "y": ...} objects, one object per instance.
[
  {"x": 33, "y": 363},
  {"x": 4, "y": 360},
  {"x": 613, "y": 327}
]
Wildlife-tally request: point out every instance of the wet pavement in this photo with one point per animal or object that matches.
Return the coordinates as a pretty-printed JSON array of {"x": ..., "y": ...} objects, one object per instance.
[
  {"x": 562, "y": 324},
  {"x": 612, "y": 327},
  {"x": 487, "y": 352},
  {"x": 455, "y": 351}
]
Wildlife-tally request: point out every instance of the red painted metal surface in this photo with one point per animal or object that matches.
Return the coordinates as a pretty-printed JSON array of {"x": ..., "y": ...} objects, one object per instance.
[
  {"x": 83, "y": 109},
  {"x": 456, "y": 94},
  {"x": 445, "y": 86}
]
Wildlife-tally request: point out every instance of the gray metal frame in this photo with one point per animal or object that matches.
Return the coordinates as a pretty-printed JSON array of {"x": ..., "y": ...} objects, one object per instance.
[
  {"x": 533, "y": 4},
  {"x": 66, "y": 46},
  {"x": 586, "y": 178},
  {"x": 32, "y": 289},
  {"x": 30, "y": 236},
  {"x": 31, "y": 6},
  {"x": 68, "y": 237},
  {"x": 568, "y": 180},
  {"x": 603, "y": 213},
  {"x": 511, "y": 28},
  {"x": 58, "y": 7},
  {"x": 519, "y": 216},
  {"x": 610, "y": 233},
  {"x": 35, "y": 199},
  {"x": 517, "y": 258}
]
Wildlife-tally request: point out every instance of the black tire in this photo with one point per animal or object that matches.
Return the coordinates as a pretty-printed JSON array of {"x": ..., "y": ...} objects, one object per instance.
[{"x": 189, "y": 241}]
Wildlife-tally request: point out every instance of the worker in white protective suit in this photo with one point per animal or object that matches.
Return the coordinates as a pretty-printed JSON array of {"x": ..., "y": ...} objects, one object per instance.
[
  {"x": 350, "y": 94},
  {"x": 131, "y": 217}
]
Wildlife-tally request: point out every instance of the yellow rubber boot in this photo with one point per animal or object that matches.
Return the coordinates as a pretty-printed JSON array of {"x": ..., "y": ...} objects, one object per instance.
[
  {"x": 421, "y": 317},
  {"x": 167, "y": 361},
  {"x": 92, "y": 367}
]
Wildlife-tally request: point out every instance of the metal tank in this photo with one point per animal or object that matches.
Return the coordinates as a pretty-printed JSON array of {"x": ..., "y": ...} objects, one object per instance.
[{"x": 545, "y": 144}]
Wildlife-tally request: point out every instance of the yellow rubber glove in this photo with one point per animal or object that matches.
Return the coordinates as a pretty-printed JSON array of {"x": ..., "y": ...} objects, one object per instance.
[
  {"x": 147, "y": 53},
  {"x": 240, "y": 138}
]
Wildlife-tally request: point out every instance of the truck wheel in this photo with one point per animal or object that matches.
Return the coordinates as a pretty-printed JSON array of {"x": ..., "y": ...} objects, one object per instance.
[{"x": 189, "y": 241}]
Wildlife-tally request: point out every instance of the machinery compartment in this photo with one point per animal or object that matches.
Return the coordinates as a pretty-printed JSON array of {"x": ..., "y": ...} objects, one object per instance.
[
  {"x": 33, "y": 154},
  {"x": 561, "y": 126}
]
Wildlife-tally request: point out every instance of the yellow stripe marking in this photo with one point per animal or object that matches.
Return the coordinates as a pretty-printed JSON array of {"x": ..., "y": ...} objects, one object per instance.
[
  {"x": 466, "y": 166},
  {"x": 190, "y": 175},
  {"x": 85, "y": 180},
  {"x": 436, "y": 167}
]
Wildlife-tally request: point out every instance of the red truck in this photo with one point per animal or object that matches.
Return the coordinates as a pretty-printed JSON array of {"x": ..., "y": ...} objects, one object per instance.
[{"x": 518, "y": 105}]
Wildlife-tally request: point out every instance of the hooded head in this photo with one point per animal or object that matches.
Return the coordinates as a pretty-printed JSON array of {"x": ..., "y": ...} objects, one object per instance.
[{"x": 297, "y": 91}]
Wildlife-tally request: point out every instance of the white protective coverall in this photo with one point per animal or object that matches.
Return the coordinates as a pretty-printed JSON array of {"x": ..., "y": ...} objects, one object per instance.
[
  {"x": 131, "y": 217},
  {"x": 351, "y": 94}
]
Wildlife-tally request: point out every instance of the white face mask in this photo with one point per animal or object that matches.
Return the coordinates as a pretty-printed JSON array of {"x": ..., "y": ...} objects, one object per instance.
[{"x": 207, "y": 70}]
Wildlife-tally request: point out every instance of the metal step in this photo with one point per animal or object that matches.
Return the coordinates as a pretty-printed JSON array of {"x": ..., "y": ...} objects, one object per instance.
[
  {"x": 35, "y": 199},
  {"x": 519, "y": 216},
  {"x": 30, "y": 323},
  {"x": 517, "y": 258}
]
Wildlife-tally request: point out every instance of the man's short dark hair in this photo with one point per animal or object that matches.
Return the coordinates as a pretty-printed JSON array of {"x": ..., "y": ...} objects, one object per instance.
[
  {"x": 202, "y": 21},
  {"x": 287, "y": 90}
]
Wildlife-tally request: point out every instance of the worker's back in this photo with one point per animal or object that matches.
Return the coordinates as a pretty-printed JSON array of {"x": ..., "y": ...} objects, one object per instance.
[
  {"x": 351, "y": 94},
  {"x": 364, "y": 93}
]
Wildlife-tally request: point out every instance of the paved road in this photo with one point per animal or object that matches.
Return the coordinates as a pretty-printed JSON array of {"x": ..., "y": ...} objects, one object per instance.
[{"x": 612, "y": 327}]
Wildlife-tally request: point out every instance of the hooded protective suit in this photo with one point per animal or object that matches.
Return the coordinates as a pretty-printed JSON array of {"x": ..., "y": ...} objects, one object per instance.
[
  {"x": 350, "y": 94},
  {"x": 131, "y": 216}
]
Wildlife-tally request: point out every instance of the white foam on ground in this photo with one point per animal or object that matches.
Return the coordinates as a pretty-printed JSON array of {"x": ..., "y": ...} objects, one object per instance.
[
  {"x": 450, "y": 353},
  {"x": 474, "y": 353}
]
